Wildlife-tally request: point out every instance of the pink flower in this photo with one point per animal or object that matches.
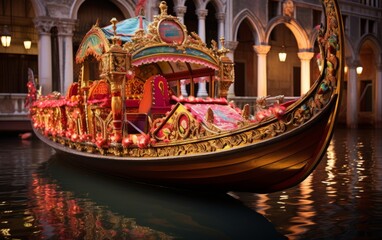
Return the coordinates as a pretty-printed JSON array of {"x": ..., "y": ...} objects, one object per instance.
[{"x": 278, "y": 110}]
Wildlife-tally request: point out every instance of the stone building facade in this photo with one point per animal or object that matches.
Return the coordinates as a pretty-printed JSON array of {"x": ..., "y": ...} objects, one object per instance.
[{"x": 255, "y": 32}]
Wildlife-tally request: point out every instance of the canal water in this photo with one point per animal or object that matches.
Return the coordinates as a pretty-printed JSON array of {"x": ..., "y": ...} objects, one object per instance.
[{"x": 43, "y": 198}]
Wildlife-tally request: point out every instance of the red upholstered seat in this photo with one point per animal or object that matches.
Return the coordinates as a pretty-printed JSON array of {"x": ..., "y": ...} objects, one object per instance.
[
  {"x": 156, "y": 96},
  {"x": 99, "y": 93},
  {"x": 73, "y": 90}
]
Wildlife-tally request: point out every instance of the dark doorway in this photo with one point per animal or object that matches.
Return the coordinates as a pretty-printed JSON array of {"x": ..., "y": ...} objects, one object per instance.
[
  {"x": 190, "y": 17},
  {"x": 366, "y": 104},
  {"x": 296, "y": 81},
  {"x": 14, "y": 72},
  {"x": 239, "y": 79}
]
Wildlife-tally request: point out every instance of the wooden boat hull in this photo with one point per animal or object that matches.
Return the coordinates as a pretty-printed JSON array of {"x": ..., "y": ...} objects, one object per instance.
[{"x": 268, "y": 166}]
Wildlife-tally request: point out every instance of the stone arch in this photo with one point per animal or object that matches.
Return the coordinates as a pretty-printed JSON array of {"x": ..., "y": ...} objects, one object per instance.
[
  {"x": 253, "y": 20},
  {"x": 199, "y": 4},
  {"x": 219, "y": 6},
  {"x": 202, "y": 4},
  {"x": 350, "y": 54},
  {"x": 369, "y": 82},
  {"x": 313, "y": 37},
  {"x": 38, "y": 8},
  {"x": 212, "y": 22},
  {"x": 302, "y": 39},
  {"x": 375, "y": 46},
  {"x": 126, "y": 7},
  {"x": 179, "y": 2}
]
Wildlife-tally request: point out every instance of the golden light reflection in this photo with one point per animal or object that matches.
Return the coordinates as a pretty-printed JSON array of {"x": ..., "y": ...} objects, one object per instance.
[
  {"x": 298, "y": 205},
  {"x": 5, "y": 232},
  {"x": 341, "y": 191},
  {"x": 282, "y": 200},
  {"x": 355, "y": 156},
  {"x": 377, "y": 170},
  {"x": 330, "y": 170},
  {"x": 360, "y": 169},
  {"x": 261, "y": 204},
  {"x": 305, "y": 211}
]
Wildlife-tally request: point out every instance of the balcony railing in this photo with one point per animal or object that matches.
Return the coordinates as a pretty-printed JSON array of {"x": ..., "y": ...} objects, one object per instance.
[
  {"x": 13, "y": 114},
  {"x": 12, "y": 105},
  {"x": 255, "y": 103}
]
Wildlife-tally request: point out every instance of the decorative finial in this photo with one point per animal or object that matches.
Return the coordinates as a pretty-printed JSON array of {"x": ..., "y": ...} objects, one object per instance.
[
  {"x": 114, "y": 23},
  {"x": 163, "y": 8},
  {"x": 222, "y": 50},
  {"x": 222, "y": 41}
]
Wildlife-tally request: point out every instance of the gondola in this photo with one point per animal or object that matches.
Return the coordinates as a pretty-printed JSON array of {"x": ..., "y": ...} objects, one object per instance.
[{"x": 128, "y": 115}]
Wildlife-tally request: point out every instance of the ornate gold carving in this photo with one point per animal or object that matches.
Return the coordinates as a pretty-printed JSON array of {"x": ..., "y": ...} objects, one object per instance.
[{"x": 101, "y": 118}]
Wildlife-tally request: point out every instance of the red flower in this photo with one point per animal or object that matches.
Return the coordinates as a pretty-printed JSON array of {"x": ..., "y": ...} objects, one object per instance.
[
  {"x": 143, "y": 141},
  {"x": 116, "y": 137},
  {"x": 126, "y": 142},
  {"x": 74, "y": 137}
]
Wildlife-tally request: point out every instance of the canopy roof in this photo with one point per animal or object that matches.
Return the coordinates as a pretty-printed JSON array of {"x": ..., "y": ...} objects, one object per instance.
[
  {"x": 98, "y": 40},
  {"x": 126, "y": 28},
  {"x": 164, "y": 42}
]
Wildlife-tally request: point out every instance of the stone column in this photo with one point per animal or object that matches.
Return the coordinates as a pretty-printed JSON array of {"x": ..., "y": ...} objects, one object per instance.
[
  {"x": 65, "y": 43},
  {"x": 180, "y": 11},
  {"x": 43, "y": 26},
  {"x": 378, "y": 98},
  {"x": 183, "y": 89},
  {"x": 352, "y": 97},
  {"x": 220, "y": 18},
  {"x": 152, "y": 9},
  {"x": 202, "y": 13},
  {"x": 231, "y": 45},
  {"x": 262, "y": 51},
  {"x": 305, "y": 58}
]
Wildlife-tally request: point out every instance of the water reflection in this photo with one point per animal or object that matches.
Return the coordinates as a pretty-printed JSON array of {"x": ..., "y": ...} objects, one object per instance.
[
  {"x": 42, "y": 198},
  {"x": 99, "y": 207},
  {"x": 60, "y": 213},
  {"x": 18, "y": 160},
  {"x": 340, "y": 200}
]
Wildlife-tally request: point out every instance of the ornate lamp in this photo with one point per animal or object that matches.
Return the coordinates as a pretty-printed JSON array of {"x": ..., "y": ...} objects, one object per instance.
[
  {"x": 6, "y": 37},
  {"x": 27, "y": 44},
  {"x": 282, "y": 54},
  {"x": 359, "y": 70}
]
